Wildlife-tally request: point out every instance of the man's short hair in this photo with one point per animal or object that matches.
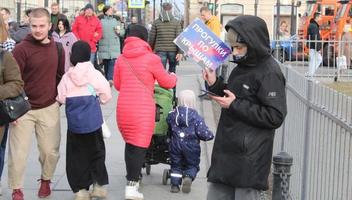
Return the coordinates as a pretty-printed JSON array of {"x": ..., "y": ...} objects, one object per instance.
[
  {"x": 6, "y": 10},
  {"x": 204, "y": 8},
  {"x": 40, "y": 12},
  {"x": 54, "y": 4},
  {"x": 167, "y": 6}
]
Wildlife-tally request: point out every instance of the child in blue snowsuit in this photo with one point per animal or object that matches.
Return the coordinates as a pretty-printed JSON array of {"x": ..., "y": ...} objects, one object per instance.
[{"x": 187, "y": 129}]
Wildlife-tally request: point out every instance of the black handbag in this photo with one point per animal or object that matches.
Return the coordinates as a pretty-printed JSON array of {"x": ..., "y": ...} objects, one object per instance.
[{"x": 13, "y": 108}]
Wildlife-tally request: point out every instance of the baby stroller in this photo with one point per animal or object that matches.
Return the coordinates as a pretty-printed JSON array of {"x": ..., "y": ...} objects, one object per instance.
[{"x": 158, "y": 151}]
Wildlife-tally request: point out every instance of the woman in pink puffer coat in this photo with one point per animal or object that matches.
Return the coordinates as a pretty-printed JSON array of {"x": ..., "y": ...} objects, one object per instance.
[{"x": 136, "y": 71}]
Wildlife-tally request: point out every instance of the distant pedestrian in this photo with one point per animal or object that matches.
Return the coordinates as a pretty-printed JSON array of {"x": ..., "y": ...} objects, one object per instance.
[
  {"x": 136, "y": 71},
  {"x": 187, "y": 129},
  {"x": 134, "y": 21},
  {"x": 64, "y": 35},
  {"x": 11, "y": 85},
  {"x": 55, "y": 15},
  {"x": 314, "y": 38},
  {"x": 210, "y": 20},
  {"x": 12, "y": 24},
  {"x": 164, "y": 31},
  {"x": 6, "y": 43},
  {"x": 38, "y": 58},
  {"x": 87, "y": 27},
  {"x": 82, "y": 89},
  {"x": 23, "y": 30},
  {"x": 109, "y": 45}
]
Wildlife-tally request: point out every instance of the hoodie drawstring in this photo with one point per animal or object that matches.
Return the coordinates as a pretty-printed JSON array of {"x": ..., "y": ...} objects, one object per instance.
[{"x": 178, "y": 113}]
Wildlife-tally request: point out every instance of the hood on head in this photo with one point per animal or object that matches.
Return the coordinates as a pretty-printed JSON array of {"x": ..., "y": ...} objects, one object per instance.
[
  {"x": 166, "y": 16},
  {"x": 183, "y": 116},
  {"x": 254, "y": 32}
]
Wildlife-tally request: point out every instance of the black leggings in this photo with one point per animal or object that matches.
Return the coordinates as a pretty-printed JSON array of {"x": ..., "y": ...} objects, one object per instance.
[{"x": 134, "y": 158}]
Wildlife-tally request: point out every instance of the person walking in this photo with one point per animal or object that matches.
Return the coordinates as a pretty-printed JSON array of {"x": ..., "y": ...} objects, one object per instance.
[
  {"x": 55, "y": 16},
  {"x": 6, "y": 43},
  {"x": 109, "y": 45},
  {"x": 210, "y": 20},
  {"x": 64, "y": 35},
  {"x": 187, "y": 129},
  {"x": 314, "y": 38},
  {"x": 136, "y": 71},
  {"x": 11, "y": 85},
  {"x": 164, "y": 31},
  {"x": 40, "y": 77},
  {"x": 253, "y": 105},
  {"x": 23, "y": 30},
  {"x": 87, "y": 27},
  {"x": 82, "y": 89}
]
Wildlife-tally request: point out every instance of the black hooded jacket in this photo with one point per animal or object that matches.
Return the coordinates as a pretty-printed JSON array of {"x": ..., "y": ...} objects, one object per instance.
[
  {"x": 314, "y": 34},
  {"x": 244, "y": 139}
]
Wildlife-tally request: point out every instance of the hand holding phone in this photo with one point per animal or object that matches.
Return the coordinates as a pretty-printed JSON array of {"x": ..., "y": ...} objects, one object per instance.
[{"x": 209, "y": 93}]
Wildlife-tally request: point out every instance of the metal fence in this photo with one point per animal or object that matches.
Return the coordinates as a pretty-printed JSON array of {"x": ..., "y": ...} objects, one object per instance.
[
  {"x": 317, "y": 133},
  {"x": 336, "y": 57}
]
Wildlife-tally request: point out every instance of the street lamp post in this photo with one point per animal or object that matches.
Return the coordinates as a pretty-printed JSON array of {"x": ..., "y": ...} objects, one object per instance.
[
  {"x": 255, "y": 7},
  {"x": 293, "y": 27},
  {"x": 277, "y": 19},
  {"x": 18, "y": 4}
]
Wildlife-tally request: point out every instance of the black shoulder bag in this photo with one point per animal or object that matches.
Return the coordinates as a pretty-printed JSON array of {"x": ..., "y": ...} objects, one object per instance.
[{"x": 12, "y": 108}]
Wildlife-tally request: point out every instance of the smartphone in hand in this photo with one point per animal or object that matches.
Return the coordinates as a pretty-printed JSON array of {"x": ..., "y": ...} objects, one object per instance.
[{"x": 209, "y": 93}]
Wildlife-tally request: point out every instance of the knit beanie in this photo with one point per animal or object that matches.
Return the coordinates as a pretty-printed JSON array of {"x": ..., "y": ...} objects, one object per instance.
[
  {"x": 80, "y": 52},
  {"x": 88, "y": 6},
  {"x": 139, "y": 31}
]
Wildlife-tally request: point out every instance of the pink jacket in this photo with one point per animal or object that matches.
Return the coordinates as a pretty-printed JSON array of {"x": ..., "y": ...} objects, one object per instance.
[
  {"x": 75, "y": 82},
  {"x": 135, "y": 106},
  {"x": 80, "y": 89}
]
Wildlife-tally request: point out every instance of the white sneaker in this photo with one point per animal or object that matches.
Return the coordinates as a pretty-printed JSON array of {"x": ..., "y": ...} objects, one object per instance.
[
  {"x": 99, "y": 191},
  {"x": 82, "y": 195},
  {"x": 131, "y": 191}
]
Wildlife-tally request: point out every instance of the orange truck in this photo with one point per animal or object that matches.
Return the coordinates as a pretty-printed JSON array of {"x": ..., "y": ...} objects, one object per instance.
[{"x": 335, "y": 14}]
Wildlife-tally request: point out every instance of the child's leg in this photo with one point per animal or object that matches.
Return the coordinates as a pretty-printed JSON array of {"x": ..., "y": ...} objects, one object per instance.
[
  {"x": 78, "y": 162},
  {"x": 99, "y": 172},
  {"x": 176, "y": 165},
  {"x": 191, "y": 168},
  {"x": 192, "y": 160}
]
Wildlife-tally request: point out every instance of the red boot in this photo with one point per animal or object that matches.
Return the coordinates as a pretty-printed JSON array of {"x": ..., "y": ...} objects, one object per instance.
[
  {"x": 44, "y": 190},
  {"x": 17, "y": 194}
]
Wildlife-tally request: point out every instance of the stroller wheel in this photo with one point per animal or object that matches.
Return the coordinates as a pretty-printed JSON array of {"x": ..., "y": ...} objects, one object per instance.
[
  {"x": 165, "y": 176},
  {"x": 147, "y": 168}
]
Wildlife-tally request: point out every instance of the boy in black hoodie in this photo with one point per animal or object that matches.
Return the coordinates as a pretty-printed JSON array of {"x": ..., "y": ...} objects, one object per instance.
[{"x": 253, "y": 105}]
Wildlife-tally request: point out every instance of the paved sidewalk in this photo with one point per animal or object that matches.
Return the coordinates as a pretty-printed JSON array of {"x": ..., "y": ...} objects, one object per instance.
[{"x": 152, "y": 188}]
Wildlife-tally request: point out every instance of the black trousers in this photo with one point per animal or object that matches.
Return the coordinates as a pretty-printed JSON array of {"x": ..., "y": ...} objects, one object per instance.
[
  {"x": 85, "y": 160},
  {"x": 134, "y": 158}
]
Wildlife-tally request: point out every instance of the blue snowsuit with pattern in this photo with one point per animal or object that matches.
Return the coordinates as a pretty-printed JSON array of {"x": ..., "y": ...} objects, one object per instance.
[{"x": 187, "y": 129}]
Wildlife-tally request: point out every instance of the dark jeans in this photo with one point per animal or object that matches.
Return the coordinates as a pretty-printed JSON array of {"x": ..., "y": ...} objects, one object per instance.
[
  {"x": 109, "y": 68},
  {"x": 134, "y": 158},
  {"x": 2, "y": 149},
  {"x": 168, "y": 56}
]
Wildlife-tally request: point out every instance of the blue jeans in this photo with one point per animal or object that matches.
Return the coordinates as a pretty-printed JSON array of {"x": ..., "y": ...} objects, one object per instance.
[
  {"x": 3, "y": 149},
  {"x": 168, "y": 56},
  {"x": 92, "y": 57},
  {"x": 109, "y": 68}
]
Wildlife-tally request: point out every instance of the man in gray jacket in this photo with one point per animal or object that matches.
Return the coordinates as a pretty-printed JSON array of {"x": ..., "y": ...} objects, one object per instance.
[{"x": 164, "y": 30}]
